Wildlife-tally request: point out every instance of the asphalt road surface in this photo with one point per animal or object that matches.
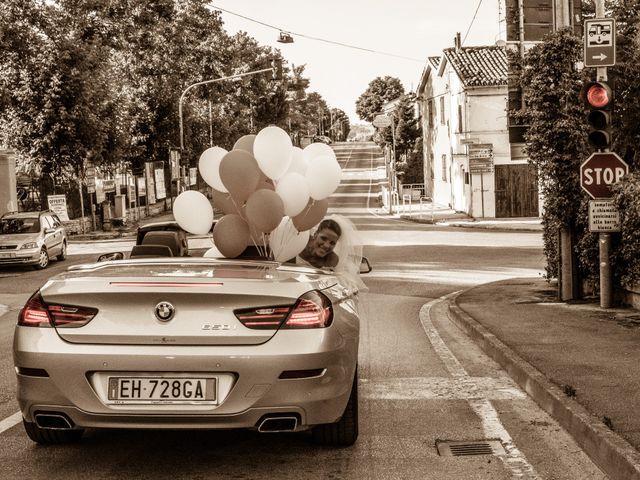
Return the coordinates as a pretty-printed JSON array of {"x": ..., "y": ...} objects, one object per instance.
[{"x": 423, "y": 383}]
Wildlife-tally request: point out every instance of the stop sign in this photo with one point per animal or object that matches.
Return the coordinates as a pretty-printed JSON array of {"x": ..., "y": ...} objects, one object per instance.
[{"x": 600, "y": 171}]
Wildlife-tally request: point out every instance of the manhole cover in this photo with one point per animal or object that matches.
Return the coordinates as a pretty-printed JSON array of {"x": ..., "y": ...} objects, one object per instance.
[{"x": 477, "y": 447}]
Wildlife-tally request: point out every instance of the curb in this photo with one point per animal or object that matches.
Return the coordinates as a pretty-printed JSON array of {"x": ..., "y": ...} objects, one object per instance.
[{"x": 610, "y": 452}]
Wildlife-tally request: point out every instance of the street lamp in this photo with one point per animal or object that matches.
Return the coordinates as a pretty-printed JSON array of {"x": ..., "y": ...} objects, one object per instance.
[
  {"x": 276, "y": 69},
  {"x": 215, "y": 80}
]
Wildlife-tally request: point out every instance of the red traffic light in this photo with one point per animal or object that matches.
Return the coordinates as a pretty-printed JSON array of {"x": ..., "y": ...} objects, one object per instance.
[{"x": 598, "y": 95}]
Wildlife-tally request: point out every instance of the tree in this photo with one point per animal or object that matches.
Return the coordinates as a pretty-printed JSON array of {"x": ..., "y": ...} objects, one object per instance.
[
  {"x": 556, "y": 138},
  {"x": 59, "y": 110},
  {"x": 380, "y": 91}
]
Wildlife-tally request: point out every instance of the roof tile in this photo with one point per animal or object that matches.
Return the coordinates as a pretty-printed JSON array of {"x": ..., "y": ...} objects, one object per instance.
[{"x": 479, "y": 66}]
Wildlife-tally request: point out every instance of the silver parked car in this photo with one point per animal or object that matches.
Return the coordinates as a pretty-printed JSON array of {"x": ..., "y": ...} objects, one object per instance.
[
  {"x": 31, "y": 238},
  {"x": 189, "y": 343}
]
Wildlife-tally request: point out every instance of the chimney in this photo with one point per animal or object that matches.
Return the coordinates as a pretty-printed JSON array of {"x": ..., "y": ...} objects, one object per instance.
[{"x": 457, "y": 41}]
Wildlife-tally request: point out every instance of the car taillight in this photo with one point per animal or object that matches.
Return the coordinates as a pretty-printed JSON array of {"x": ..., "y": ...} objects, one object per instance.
[
  {"x": 37, "y": 313},
  {"x": 311, "y": 310},
  {"x": 263, "y": 318}
]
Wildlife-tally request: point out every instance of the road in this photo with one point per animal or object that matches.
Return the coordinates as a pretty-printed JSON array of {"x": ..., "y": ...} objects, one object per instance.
[{"x": 422, "y": 381}]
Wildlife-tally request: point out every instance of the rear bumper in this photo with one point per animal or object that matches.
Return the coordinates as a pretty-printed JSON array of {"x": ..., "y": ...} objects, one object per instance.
[{"x": 256, "y": 390}]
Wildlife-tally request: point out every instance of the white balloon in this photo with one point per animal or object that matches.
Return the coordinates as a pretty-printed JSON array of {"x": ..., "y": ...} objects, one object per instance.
[
  {"x": 272, "y": 150},
  {"x": 323, "y": 177},
  {"x": 286, "y": 242},
  {"x": 193, "y": 212},
  {"x": 317, "y": 149},
  {"x": 294, "y": 192},
  {"x": 209, "y": 167},
  {"x": 298, "y": 164}
]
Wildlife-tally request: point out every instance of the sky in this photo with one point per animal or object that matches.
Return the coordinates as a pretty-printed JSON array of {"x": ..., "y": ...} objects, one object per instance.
[{"x": 410, "y": 30}]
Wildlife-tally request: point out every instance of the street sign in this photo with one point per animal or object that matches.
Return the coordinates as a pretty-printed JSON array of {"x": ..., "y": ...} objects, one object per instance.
[
  {"x": 600, "y": 42},
  {"x": 480, "y": 157},
  {"x": 603, "y": 216},
  {"x": 600, "y": 171},
  {"x": 381, "y": 121}
]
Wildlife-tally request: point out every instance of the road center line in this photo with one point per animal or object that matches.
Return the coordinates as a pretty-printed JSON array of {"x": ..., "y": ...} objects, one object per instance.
[
  {"x": 515, "y": 460},
  {"x": 10, "y": 422}
]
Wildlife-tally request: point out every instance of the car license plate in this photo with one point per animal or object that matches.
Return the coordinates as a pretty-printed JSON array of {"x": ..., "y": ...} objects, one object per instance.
[
  {"x": 7, "y": 255},
  {"x": 162, "y": 390}
]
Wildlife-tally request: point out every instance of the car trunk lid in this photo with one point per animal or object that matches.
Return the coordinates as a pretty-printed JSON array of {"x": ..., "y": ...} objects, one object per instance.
[{"x": 176, "y": 302}]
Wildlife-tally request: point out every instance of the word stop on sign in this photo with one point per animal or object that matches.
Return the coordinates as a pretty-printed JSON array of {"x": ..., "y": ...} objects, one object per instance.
[{"x": 600, "y": 176}]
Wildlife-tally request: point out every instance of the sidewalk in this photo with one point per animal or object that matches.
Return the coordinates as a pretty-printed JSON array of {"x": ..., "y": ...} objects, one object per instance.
[
  {"x": 579, "y": 362},
  {"x": 426, "y": 212}
]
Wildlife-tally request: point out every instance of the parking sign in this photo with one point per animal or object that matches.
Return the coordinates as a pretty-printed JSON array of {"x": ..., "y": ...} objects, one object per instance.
[{"x": 600, "y": 42}]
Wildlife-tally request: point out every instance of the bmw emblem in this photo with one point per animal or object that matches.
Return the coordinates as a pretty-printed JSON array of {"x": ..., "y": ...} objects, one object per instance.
[{"x": 164, "y": 311}]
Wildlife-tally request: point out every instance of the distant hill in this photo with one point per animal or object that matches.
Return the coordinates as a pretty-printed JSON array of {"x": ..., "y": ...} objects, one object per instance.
[{"x": 361, "y": 132}]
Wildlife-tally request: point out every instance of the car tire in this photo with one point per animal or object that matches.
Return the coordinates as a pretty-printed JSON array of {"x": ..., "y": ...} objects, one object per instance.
[
  {"x": 63, "y": 252},
  {"x": 344, "y": 432},
  {"x": 43, "y": 262},
  {"x": 45, "y": 436}
]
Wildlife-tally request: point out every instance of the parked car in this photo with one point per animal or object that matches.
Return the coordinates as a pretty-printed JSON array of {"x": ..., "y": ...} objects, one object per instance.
[
  {"x": 31, "y": 238},
  {"x": 184, "y": 343},
  {"x": 323, "y": 139}
]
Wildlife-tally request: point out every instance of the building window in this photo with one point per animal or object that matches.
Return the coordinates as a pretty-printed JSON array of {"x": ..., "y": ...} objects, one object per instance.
[
  {"x": 444, "y": 168},
  {"x": 442, "y": 119},
  {"x": 430, "y": 112},
  {"x": 431, "y": 175},
  {"x": 460, "y": 130}
]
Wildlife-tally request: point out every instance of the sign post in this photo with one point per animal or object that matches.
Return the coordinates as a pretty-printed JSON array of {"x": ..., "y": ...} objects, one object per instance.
[
  {"x": 597, "y": 174},
  {"x": 480, "y": 162},
  {"x": 384, "y": 121}
]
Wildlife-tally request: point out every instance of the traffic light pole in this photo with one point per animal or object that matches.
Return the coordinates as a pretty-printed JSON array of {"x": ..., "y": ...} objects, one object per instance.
[{"x": 604, "y": 239}]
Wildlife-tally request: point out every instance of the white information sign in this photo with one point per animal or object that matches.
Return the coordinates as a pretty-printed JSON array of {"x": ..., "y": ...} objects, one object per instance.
[
  {"x": 603, "y": 216},
  {"x": 160, "y": 190},
  {"x": 58, "y": 205},
  {"x": 142, "y": 187}
]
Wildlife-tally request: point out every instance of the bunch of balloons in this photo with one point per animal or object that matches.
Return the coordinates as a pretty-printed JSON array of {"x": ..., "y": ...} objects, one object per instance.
[{"x": 271, "y": 193}]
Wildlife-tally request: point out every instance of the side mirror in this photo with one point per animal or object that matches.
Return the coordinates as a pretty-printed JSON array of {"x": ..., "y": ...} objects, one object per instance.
[
  {"x": 365, "y": 266},
  {"x": 107, "y": 257},
  {"x": 49, "y": 230}
]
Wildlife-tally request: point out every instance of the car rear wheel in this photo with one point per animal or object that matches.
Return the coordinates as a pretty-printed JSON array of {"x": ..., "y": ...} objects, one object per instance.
[
  {"x": 43, "y": 261},
  {"x": 345, "y": 431},
  {"x": 47, "y": 436},
  {"x": 63, "y": 252}
]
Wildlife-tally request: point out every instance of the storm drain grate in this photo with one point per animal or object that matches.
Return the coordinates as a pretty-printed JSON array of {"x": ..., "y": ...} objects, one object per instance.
[{"x": 478, "y": 447}]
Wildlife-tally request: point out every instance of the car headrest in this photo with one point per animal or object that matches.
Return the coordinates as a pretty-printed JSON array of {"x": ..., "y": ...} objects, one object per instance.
[
  {"x": 168, "y": 238},
  {"x": 151, "y": 251}
]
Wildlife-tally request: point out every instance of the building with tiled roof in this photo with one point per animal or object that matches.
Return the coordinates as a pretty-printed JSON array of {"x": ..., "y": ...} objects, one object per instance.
[
  {"x": 478, "y": 66},
  {"x": 462, "y": 99}
]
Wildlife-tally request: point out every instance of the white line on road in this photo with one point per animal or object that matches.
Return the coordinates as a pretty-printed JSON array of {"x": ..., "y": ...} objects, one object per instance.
[
  {"x": 440, "y": 388},
  {"x": 10, "y": 422},
  {"x": 515, "y": 460}
]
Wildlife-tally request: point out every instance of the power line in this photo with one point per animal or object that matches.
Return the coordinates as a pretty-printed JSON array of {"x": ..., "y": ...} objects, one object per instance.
[
  {"x": 472, "y": 20},
  {"x": 317, "y": 38}
]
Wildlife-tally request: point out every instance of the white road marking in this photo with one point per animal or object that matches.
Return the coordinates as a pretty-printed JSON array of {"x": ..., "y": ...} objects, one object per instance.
[
  {"x": 515, "y": 460},
  {"x": 440, "y": 388},
  {"x": 3, "y": 309},
  {"x": 10, "y": 422}
]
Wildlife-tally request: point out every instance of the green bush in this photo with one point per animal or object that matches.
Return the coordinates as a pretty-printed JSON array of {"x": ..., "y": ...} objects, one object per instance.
[{"x": 627, "y": 199}]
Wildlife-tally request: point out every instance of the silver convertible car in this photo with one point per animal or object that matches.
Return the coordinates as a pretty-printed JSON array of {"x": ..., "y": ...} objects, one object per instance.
[{"x": 189, "y": 343}]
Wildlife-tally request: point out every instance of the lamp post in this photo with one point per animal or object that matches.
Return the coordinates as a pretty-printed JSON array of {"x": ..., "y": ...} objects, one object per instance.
[{"x": 205, "y": 82}]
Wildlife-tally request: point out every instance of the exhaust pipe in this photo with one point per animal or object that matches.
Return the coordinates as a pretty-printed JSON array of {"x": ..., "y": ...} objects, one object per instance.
[
  {"x": 53, "y": 421},
  {"x": 278, "y": 424}
]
